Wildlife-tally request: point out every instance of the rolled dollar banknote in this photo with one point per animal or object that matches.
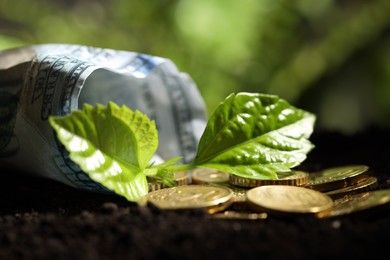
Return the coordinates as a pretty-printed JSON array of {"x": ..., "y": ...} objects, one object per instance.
[{"x": 54, "y": 79}]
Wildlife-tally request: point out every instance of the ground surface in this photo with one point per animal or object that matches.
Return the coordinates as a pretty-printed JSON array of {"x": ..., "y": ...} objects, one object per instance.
[{"x": 41, "y": 219}]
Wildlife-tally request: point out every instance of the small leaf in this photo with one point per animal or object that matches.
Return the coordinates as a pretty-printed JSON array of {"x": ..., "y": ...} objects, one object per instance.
[
  {"x": 112, "y": 145},
  {"x": 255, "y": 135}
]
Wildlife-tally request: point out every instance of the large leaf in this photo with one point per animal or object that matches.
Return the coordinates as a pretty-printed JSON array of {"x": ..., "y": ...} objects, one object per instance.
[
  {"x": 255, "y": 135},
  {"x": 112, "y": 144}
]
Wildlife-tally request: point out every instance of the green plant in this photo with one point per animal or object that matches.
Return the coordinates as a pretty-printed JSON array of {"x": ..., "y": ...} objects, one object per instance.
[{"x": 249, "y": 134}]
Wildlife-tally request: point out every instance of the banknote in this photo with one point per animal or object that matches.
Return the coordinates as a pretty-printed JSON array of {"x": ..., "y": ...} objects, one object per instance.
[{"x": 38, "y": 81}]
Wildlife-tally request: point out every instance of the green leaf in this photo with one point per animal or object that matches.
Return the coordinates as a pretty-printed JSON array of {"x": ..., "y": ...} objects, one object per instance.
[
  {"x": 249, "y": 135},
  {"x": 112, "y": 144},
  {"x": 255, "y": 136}
]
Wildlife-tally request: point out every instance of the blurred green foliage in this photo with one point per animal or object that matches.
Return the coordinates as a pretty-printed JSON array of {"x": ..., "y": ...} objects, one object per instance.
[{"x": 331, "y": 57}]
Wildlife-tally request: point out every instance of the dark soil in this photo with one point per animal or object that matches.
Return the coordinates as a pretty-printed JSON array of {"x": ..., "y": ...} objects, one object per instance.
[{"x": 42, "y": 219}]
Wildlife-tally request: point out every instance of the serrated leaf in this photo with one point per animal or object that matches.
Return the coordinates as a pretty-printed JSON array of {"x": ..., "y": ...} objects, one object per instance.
[
  {"x": 112, "y": 144},
  {"x": 255, "y": 136}
]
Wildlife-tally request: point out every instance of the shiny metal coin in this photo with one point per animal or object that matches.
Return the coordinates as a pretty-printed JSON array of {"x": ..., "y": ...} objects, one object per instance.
[
  {"x": 155, "y": 185},
  {"x": 336, "y": 177},
  {"x": 204, "y": 175},
  {"x": 294, "y": 178},
  {"x": 360, "y": 203},
  {"x": 288, "y": 199},
  {"x": 182, "y": 178},
  {"x": 365, "y": 184},
  {"x": 209, "y": 197}
]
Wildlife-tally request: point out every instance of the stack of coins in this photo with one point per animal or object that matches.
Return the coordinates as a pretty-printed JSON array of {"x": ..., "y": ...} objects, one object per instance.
[
  {"x": 344, "y": 180},
  {"x": 327, "y": 193},
  {"x": 283, "y": 196},
  {"x": 211, "y": 176}
]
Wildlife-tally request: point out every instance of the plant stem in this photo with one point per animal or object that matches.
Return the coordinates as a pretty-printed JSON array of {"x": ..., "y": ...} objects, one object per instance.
[{"x": 181, "y": 167}]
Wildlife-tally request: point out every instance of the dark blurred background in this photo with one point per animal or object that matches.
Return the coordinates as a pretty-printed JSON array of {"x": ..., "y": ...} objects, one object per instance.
[{"x": 331, "y": 57}]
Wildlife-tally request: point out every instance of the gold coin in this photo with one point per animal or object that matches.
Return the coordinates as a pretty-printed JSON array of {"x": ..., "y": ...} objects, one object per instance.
[
  {"x": 359, "y": 203},
  {"x": 155, "y": 185},
  {"x": 203, "y": 175},
  {"x": 210, "y": 197},
  {"x": 365, "y": 184},
  {"x": 336, "y": 177},
  {"x": 294, "y": 178},
  {"x": 181, "y": 178},
  {"x": 239, "y": 193},
  {"x": 239, "y": 202},
  {"x": 288, "y": 199}
]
